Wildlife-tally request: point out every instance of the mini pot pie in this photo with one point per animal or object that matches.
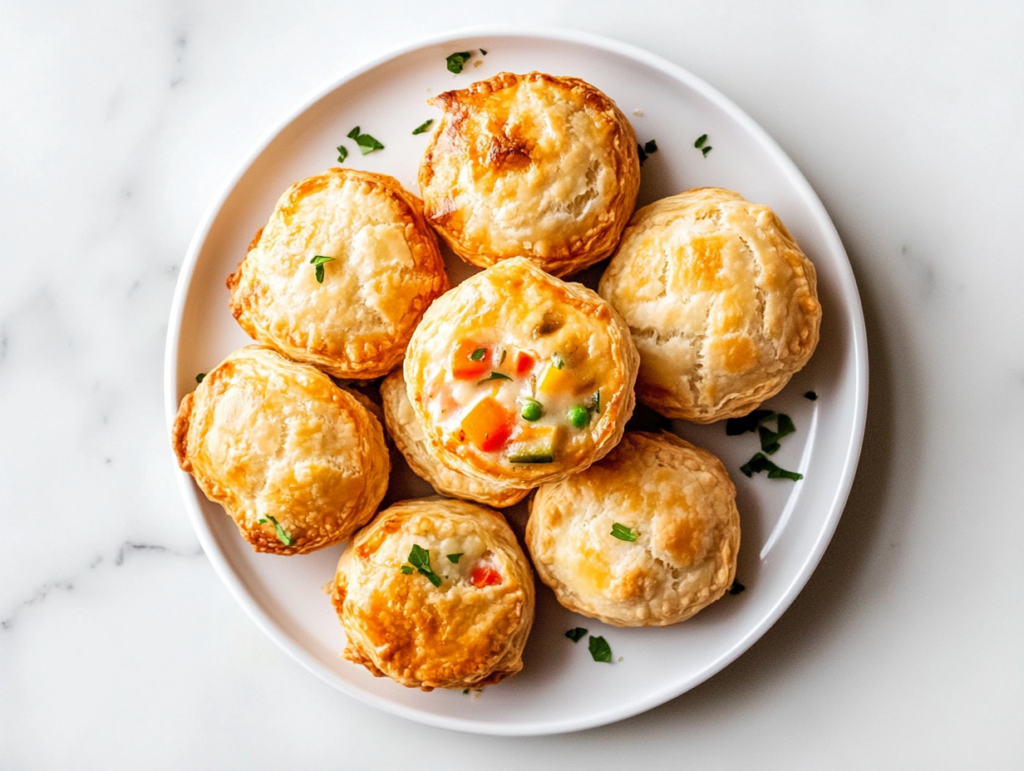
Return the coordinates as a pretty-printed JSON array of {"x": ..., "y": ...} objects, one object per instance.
[
  {"x": 341, "y": 274},
  {"x": 408, "y": 436},
  {"x": 721, "y": 302},
  {"x": 530, "y": 165},
  {"x": 519, "y": 378},
  {"x": 296, "y": 461},
  {"x": 436, "y": 593},
  {"x": 647, "y": 536}
]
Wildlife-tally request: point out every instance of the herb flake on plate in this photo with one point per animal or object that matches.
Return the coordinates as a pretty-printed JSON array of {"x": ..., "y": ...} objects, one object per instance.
[
  {"x": 576, "y": 634},
  {"x": 422, "y": 128},
  {"x": 367, "y": 144},
  {"x": 457, "y": 61},
  {"x": 760, "y": 462},
  {"x": 600, "y": 650}
]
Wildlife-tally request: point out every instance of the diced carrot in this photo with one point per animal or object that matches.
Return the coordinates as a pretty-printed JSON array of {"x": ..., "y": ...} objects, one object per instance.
[
  {"x": 484, "y": 575},
  {"x": 556, "y": 381},
  {"x": 488, "y": 425},
  {"x": 524, "y": 363},
  {"x": 464, "y": 367}
]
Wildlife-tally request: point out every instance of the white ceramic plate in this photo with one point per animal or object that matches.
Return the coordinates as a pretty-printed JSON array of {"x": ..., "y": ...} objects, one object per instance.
[{"x": 786, "y": 526}]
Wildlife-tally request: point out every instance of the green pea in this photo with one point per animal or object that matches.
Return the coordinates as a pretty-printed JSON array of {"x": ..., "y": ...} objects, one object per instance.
[
  {"x": 532, "y": 410},
  {"x": 579, "y": 416}
]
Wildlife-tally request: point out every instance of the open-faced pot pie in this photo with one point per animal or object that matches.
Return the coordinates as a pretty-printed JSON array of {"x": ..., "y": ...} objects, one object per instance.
[
  {"x": 519, "y": 378},
  {"x": 436, "y": 593},
  {"x": 721, "y": 301},
  {"x": 409, "y": 438},
  {"x": 296, "y": 461},
  {"x": 647, "y": 536},
  {"x": 341, "y": 274},
  {"x": 530, "y": 165}
]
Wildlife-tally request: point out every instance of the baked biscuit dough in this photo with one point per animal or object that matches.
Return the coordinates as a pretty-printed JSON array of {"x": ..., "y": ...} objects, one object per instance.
[
  {"x": 721, "y": 302},
  {"x": 466, "y": 632},
  {"x": 386, "y": 269},
  {"x": 270, "y": 439},
  {"x": 408, "y": 436},
  {"x": 679, "y": 501},
  {"x": 530, "y": 165},
  {"x": 507, "y": 340}
]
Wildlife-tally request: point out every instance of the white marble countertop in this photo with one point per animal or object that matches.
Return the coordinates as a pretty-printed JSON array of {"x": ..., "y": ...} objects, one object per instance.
[{"x": 120, "y": 647}]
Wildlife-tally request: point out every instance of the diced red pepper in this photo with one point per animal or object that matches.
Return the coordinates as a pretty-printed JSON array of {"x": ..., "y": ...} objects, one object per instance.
[
  {"x": 488, "y": 425},
  {"x": 484, "y": 575},
  {"x": 464, "y": 367},
  {"x": 524, "y": 363}
]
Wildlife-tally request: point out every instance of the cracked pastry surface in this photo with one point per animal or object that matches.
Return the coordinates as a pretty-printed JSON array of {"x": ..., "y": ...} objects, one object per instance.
[
  {"x": 530, "y": 165},
  {"x": 681, "y": 504},
  {"x": 271, "y": 439},
  {"x": 468, "y": 630},
  {"x": 721, "y": 302},
  {"x": 518, "y": 378},
  {"x": 386, "y": 268},
  {"x": 408, "y": 436}
]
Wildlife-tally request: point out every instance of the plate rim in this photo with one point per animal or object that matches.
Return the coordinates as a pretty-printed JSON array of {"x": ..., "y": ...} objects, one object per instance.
[{"x": 846, "y": 283}]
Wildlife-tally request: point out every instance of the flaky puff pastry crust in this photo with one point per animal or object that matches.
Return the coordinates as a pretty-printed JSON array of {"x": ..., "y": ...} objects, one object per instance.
[
  {"x": 409, "y": 439},
  {"x": 721, "y": 301},
  {"x": 268, "y": 437},
  {"x": 530, "y": 165},
  {"x": 516, "y": 305},
  {"x": 682, "y": 505},
  {"x": 467, "y": 632},
  {"x": 386, "y": 269}
]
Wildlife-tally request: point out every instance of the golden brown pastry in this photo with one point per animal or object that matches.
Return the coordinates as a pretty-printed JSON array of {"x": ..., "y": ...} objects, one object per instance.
[
  {"x": 436, "y": 593},
  {"x": 350, "y": 316},
  {"x": 530, "y": 165},
  {"x": 721, "y": 302},
  {"x": 519, "y": 378},
  {"x": 408, "y": 436},
  {"x": 679, "y": 504},
  {"x": 296, "y": 461}
]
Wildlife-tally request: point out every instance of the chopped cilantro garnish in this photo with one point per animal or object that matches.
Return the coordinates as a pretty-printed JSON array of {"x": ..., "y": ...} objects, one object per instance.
[
  {"x": 624, "y": 533},
  {"x": 650, "y": 147},
  {"x": 282, "y": 536},
  {"x": 810, "y": 395},
  {"x": 495, "y": 376},
  {"x": 595, "y": 405},
  {"x": 454, "y": 558},
  {"x": 576, "y": 634},
  {"x": 737, "y": 426},
  {"x": 200, "y": 377},
  {"x": 319, "y": 261},
  {"x": 478, "y": 354},
  {"x": 558, "y": 361},
  {"x": 770, "y": 439},
  {"x": 760, "y": 462},
  {"x": 640, "y": 151},
  {"x": 600, "y": 650},
  {"x": 408, "y": 569},
  {"x": 367, "y": 144},
  {"x": 706, "y": 150},
  {"x": 419, "y": 558},
  {"x": 483, "y": 52},
  {"x": 700, "y": 141},
  {"x": 457, "y": 61},
  {"x": 342, "y": 153},
  {"x": 422, "y": 127},
  {"x": 736, "y": 588}
]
